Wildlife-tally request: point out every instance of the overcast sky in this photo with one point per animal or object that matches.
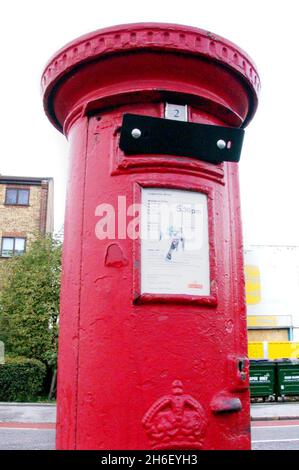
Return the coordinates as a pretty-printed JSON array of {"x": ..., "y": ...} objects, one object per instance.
[{"x": 32, "y": 31}]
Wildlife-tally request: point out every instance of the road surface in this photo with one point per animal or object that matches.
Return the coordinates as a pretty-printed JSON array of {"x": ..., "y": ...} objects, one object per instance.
[
  {"x": 266, "y": 435},
  {"x": 275, "y": 435}
]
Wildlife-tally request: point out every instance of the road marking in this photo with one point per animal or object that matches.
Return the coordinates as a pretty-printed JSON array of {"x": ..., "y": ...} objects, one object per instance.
[
  {"x": 276, "y": 440},
  {"x": 24, "y": 429},
  {"x": 15, "y": 425},
  {"x": 276, "y": 422},
  {"x": 277, "y": 426}
]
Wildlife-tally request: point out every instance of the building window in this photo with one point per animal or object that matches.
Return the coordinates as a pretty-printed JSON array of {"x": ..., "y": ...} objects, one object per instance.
[
  {"x": 12, "y": 246},
  {"x": 17, "y": 197}
]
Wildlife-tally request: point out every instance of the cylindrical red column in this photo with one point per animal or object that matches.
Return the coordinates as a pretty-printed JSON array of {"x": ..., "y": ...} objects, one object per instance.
[{"x": 151, "y": 355}]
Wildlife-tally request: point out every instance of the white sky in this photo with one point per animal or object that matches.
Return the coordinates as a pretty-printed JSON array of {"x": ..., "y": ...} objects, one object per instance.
[{"x": 32, "y": 31}]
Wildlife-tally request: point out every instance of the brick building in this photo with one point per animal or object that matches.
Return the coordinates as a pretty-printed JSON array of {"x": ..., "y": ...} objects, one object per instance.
[{"x": 26, "y": 210}]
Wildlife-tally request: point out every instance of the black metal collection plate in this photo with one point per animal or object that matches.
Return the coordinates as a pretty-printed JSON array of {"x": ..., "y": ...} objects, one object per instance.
[{"x": 186, "y": 139}]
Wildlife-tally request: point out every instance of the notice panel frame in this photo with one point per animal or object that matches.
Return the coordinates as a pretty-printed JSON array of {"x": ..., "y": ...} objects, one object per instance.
[{"x": 145, "y": 298}]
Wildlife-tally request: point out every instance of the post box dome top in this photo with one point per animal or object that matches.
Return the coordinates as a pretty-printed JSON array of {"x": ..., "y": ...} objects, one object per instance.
[{"x": 134, "y": 38}]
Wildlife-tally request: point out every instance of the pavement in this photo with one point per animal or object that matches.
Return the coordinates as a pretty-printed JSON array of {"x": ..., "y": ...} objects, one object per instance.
[
  {"x": 46, "y": 413},
  {"x": 27, "y": 413},
  {"x": 274, "y": 411},
  {"x": 32, "y": 426}
]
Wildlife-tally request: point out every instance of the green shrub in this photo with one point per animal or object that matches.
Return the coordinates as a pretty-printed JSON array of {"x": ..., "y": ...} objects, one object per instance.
[
  {"x": 21, "y": 379},
  {"x": 29, "y": 301}
]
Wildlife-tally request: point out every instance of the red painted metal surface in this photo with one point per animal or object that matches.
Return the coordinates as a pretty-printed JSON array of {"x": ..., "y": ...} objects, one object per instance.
[{"x": 137, "y": 371}]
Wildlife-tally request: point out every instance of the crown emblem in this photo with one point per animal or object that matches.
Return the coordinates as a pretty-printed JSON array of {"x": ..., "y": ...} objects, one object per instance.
[{"x": 175, "y": 421}]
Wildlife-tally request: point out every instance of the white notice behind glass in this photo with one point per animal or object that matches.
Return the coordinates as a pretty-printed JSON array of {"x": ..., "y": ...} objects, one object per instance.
[{"x": 174, "y": 242}]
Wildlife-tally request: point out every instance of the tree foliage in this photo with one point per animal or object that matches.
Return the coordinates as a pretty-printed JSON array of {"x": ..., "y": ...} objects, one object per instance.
[{"x": 29, "y": 302}]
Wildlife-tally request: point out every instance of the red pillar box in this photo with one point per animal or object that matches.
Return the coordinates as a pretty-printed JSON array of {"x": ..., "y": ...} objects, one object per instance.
[{"x": 153, "y": 343}]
